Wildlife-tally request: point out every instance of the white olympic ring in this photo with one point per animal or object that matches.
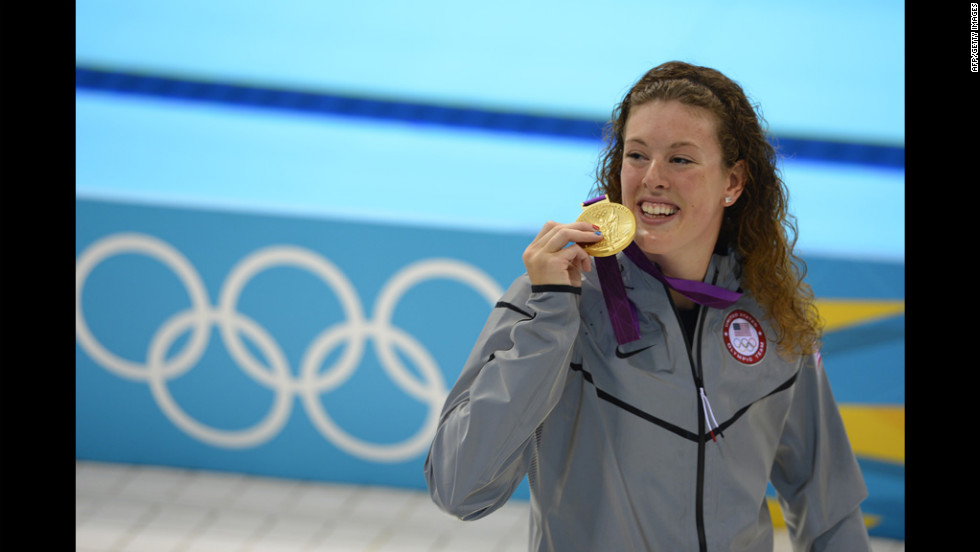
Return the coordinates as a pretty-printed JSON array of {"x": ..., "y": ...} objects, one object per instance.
[{"x": 353, "y": 331}]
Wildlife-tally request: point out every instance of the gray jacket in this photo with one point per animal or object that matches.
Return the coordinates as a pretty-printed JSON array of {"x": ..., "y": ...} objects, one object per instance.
[{"x": 621, "y": 448}]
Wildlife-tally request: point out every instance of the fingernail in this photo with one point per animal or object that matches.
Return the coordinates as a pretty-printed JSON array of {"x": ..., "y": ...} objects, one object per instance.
[
  {"x": 594, "y": 226},
  {"x": 598, "y": 233}
]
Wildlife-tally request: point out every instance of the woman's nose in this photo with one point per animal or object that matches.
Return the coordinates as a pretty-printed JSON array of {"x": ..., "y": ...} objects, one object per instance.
[{"x": 653, "y": 178}]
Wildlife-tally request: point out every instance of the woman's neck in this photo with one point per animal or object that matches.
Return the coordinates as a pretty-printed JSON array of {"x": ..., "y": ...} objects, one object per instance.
[{"x": 686, "y": 268}]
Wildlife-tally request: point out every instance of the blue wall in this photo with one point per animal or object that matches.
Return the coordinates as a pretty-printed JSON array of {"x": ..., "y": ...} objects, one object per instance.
[{"x": 323, "y": 349}]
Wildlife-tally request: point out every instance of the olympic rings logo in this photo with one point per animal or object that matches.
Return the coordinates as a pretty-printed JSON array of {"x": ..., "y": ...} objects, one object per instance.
[
  {"x": 744, "y": 337},
  {"x": 745, "y": 344},
  {"x": 355, "y": 330}
]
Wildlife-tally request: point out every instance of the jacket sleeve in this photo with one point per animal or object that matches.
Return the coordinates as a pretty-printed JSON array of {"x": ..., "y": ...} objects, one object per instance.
[
  {"x": 512, "y": 380},
  {"x": 816, "y": 474}
]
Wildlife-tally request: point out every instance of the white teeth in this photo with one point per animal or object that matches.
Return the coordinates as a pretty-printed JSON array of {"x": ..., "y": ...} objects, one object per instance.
[{"x": 660, "y": 209}]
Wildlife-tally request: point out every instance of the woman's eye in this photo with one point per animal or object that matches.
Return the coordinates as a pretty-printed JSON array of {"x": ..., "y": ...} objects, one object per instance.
[
  {"x": 681, "y": 160},
  {"x": 634, "y": 155}
]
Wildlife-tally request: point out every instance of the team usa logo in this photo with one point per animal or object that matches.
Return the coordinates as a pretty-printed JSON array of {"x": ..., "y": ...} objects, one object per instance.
[{"x": 744, "y": 338}]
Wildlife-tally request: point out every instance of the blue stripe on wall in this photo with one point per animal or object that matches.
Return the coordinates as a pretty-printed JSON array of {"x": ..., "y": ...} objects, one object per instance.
[{"x": 499, "y": 121}]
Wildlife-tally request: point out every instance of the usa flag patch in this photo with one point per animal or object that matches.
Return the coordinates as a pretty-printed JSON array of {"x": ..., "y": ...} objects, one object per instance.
[{"x": 744, "y": 338}]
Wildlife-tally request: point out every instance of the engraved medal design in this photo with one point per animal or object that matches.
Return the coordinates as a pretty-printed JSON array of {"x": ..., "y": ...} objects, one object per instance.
[{"x": 616, "y": 223}]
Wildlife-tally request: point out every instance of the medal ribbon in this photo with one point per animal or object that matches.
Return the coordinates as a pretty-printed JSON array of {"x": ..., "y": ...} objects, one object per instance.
[{"x": 622, "y": 313}]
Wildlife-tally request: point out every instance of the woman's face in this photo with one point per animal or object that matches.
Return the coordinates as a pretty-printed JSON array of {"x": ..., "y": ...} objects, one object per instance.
[{"x": 674, "y": 181}]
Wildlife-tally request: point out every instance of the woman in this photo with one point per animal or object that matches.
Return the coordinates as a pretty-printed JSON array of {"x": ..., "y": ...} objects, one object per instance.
[{"x": 651, "y": 396}]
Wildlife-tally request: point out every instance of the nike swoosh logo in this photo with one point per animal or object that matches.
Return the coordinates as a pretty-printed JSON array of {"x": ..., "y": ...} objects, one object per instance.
[{"x": 620, "y": 354}]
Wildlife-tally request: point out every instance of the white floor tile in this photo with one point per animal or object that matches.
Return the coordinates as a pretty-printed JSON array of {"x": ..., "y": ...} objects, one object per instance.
[
  {"x": 277, "y": 546},
  {"x": 120, "y": 510},
  {"x": 100, "y": 536},
  {"x": 155, "y": 539},
  {"x": 180, "y": 517},
  {"x": 217, "y": 542},
  {"x": 324, "y": 501},
  {"x": 292, "y": 530},
  {"x": 92, "y": 478},
  {"x": 351, "y": 536},
  {"x": 85, "y": 506},
  {"x": 239, "y": 522},
  {"x": 406, "y": 539},
  {"x": 210, "y": 489},
  {"x": 265, "y": 495},
  {"x": 375, "y": 503},
  {"x": 153, "y": 483},
  {"x": 124, "y": 508}
]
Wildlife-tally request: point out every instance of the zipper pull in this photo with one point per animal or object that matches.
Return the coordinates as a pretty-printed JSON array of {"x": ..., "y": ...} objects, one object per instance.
[{"x": 709, "y": 416}]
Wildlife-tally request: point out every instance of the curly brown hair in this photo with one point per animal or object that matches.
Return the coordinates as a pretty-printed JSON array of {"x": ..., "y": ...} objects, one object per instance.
[{"x": 758, "y": 228}]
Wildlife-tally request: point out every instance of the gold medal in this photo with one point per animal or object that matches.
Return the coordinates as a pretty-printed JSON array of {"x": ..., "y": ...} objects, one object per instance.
[{"x": 616, "y": 223}]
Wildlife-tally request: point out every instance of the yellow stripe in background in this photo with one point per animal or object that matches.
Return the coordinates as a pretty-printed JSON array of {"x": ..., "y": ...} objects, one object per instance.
[
  {"x": 876, "y": 432},
  {"x": 838, "y": 314},
  {"x": 870, "y": 520}
]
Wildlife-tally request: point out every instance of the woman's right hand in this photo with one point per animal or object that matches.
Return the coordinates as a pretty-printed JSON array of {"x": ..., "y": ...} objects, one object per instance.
[{"x": 555, "y": 256}]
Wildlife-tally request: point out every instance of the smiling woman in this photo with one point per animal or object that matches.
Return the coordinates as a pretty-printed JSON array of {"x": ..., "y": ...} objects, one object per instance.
[
  {"x": 619, "y": 382},
  {"x": 675, "y": 181},
  {"x": 683, "y": 109}
]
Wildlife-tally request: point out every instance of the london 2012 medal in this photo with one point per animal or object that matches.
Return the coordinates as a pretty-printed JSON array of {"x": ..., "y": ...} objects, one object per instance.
[{"x": 615, "y": 221}]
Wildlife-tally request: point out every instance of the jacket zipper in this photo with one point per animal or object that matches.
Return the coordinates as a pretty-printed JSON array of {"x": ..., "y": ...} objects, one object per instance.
[
  {"x": 702, "y": 399},
  {"x": 699, "y": 385},
  {"x": 704, "y": 409}
]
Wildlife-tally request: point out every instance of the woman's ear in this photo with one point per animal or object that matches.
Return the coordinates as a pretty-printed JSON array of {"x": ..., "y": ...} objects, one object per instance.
[{"x": 737, "y": 177}]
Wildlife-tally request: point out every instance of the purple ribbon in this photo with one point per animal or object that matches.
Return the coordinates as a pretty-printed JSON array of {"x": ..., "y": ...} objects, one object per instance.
[
  {"x": 622, "y": 312},
  {"x": 702, "y": 293}
]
